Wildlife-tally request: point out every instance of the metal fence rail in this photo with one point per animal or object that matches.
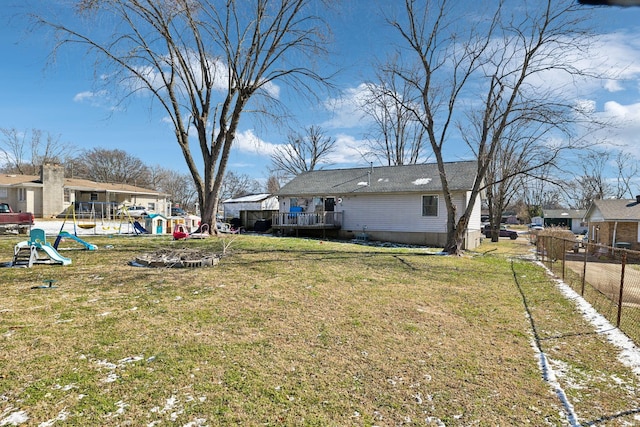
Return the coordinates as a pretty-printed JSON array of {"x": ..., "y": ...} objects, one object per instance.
[{"x": 608, "y": 278}]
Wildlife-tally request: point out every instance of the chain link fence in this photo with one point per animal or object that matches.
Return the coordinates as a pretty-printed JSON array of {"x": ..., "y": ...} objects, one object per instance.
[{"x": 607, "y": 277}]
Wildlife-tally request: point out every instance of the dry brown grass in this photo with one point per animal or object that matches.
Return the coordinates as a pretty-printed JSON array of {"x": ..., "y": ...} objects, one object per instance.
[{"x": 294, "y": 332}]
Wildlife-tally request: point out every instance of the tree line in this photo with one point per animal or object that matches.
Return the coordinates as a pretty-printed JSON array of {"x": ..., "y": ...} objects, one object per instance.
[{"x": 23, "y": 153}]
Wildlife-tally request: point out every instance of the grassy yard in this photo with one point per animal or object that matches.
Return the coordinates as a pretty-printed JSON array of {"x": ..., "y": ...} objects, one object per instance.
[{"x": 300, "y": 333}]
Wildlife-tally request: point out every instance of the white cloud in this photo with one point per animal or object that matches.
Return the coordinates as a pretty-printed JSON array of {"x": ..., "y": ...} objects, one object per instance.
[
  {"x": 247, "y": 142},
  {"x": 94, "y": 98},
  {"x": 624, "y": 131},
  {"x": 624, "y": 113},
  {"x": 346, "y": 150},
  {"x": 346, "y": 109},
  {"x": 218, "y": 70},
  {"x": 615, "y": 57}
]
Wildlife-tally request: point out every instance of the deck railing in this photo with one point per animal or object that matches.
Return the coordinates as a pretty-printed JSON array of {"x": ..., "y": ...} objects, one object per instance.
[{"x": 302, "y": 219}]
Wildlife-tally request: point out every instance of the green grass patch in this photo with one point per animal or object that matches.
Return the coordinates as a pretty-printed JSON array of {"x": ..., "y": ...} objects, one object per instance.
[{"x": 298, "y": 332}]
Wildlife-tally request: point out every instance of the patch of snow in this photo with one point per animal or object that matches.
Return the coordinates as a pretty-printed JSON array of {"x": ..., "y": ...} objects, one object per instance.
[
  {"x": 121, "y": 407},
  {"x": 62, "y": 416},
  {"x": 422, "y": 181},
  {"x": 363, "y": 183},
  {"x": 64, "y": 388},
  {"x": 629, "y": 352},
  {"x": 170, "y": 404},
  {"x": 105, "y": 364},
  {"x": 15, "y": 418},
  {"x": 112, "y": 377},
  {"x": 130, "y": 359},
  {"x": 548, "y": 374},
  {"x": 198, "y": 422}
]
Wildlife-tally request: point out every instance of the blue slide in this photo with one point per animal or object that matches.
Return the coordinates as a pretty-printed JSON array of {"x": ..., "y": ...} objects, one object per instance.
[
  {"x": 53, "y": 254},
  {"x": 67, "y": 235},
  {"x": 139, "y": 228}
]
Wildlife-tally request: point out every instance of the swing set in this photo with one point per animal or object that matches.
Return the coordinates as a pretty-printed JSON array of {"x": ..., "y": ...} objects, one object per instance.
[{"x": 87, "y": 218}]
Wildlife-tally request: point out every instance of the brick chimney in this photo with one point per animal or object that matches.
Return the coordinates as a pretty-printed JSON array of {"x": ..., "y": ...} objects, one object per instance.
[{"x": 52, "y": 177}]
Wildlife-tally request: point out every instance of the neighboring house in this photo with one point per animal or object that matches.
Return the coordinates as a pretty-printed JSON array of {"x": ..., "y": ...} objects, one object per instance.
[
  {"x": 251, "y": 208},
  {"x": 614, "y": 222},
  {"x": 50, "y": 194},
  {"x": 572, "y": 219},
  {"x": 402, "y": 204}
]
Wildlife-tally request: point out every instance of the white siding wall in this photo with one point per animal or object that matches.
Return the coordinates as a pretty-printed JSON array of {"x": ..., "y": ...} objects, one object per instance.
[
  {"x": 395, "y": 212},
  {"x": 232, "y": 210},
  {"x": 475, "y": 224},
  {"x": 270, "y": 204}
]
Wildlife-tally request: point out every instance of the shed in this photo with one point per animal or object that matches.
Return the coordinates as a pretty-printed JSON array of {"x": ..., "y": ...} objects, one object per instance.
[{"x": 250, "y": 208}]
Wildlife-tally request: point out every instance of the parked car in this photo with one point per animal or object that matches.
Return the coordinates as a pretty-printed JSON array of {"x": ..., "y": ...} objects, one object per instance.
[
  {"x": 133, "y": 211},
  {"x": 504, "y": 232},
  {"x": 178, "y": 212}
]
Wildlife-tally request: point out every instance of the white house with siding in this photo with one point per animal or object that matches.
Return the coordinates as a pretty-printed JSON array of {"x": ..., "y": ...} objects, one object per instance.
[{"x": 402, "y": 204}]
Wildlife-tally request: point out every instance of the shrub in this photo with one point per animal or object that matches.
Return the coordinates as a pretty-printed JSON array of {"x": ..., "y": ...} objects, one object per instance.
[{"x": 556, "y": 240}]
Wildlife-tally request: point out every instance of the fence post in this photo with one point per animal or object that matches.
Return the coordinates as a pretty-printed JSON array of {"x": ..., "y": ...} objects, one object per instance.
[
  {"x": 564, "y": 257},
  {"x": 624, "y": 262},
  {"x": 584, "y": 268}
]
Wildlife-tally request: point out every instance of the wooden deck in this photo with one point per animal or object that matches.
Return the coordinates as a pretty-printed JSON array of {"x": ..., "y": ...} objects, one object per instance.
[{"x": 307, "y": 221}]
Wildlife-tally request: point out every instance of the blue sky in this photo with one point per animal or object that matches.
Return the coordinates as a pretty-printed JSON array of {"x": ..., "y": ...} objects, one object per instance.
[{"x": 61, "y": 98}]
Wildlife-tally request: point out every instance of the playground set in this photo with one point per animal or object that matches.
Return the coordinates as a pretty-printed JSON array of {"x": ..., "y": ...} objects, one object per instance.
[
  {"x": 31, "y": 251},
  {"x": 87, "y": 219},
  {"x": 37, "y": 250}
]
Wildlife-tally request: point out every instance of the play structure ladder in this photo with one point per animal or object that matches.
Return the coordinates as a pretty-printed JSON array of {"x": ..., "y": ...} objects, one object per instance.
[{"x": 25, "y": 256}]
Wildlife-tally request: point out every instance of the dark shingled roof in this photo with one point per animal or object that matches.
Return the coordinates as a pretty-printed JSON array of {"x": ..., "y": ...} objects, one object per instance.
[{"x": 385, "y": 179}]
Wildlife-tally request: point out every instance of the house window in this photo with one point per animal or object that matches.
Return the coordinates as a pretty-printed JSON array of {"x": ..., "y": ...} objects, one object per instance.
[
  {"x": 4, "y": 193},
  {"x": 67, "y": 195},
  {"x": 429, "y": 205},
  {"x": 94, "y": 197},
  {"x": 151, "y": 206},
  {"x": 22, "y": 194}
]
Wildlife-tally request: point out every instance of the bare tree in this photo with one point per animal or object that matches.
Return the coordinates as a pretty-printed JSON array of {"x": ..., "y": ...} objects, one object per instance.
[
  {"x": 627, "y": 171},
  {"x": 592, "y": 183},
  {"x": 205, "y": 62},
  {"x": 500, "y": 63},
  {"x": 397, "y": 137},
  {"x": 24, "y": 152},
  {"x": 540, "y": 191},
  {"x": 303, "y": 153},
  {"x": 273, "y": 184},
  {"x": 521, "y": 150},
  {"x": 115, "y": 166},
  {"x": 238, "y": 185},
  {"x": 178, "y": 186}
]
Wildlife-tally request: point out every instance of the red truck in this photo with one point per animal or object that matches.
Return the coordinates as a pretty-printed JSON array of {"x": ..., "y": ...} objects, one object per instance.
[{"x": 9, "y": 220}]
